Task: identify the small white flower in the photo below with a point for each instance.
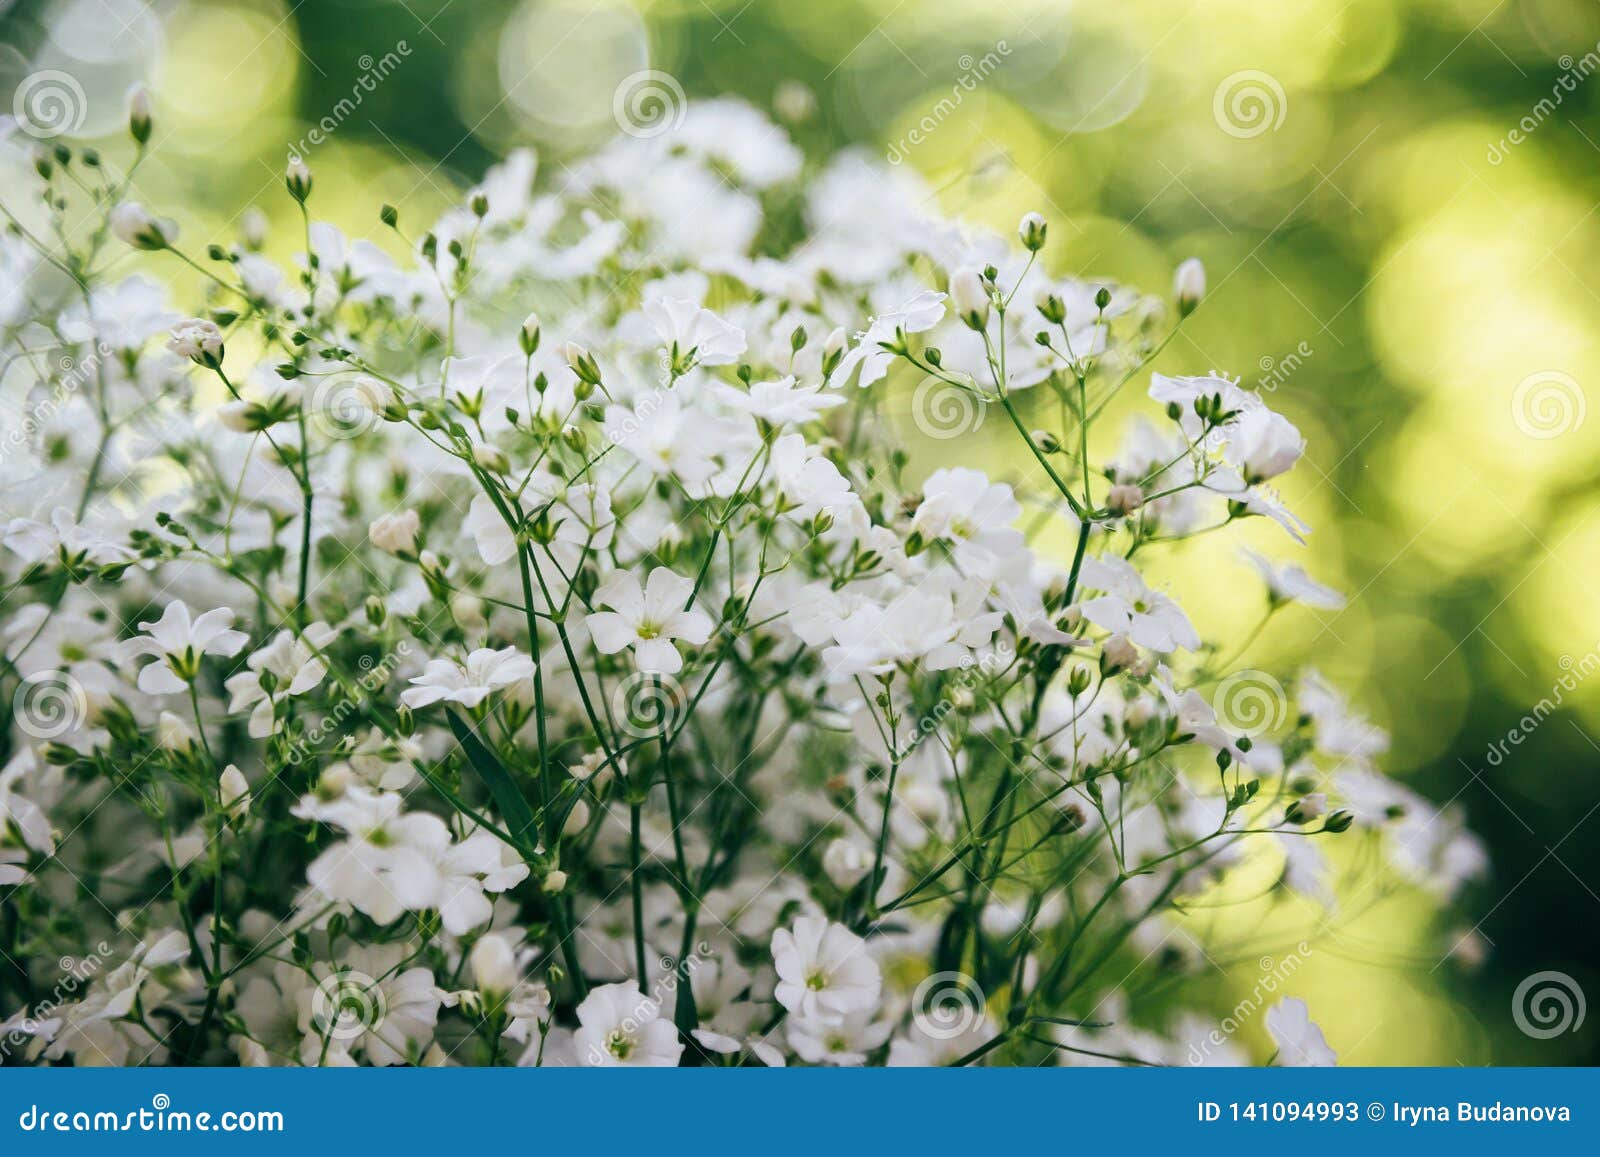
(782, 402)
(648, 619)
(180, 642)
(396, 532)
(694, 333)
(1128, 607)
(197, 339)
(1300, 1042)
(484, 672)
(620, 1026)
(1291, 584)
(825, 972)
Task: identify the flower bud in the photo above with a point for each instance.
(1306, 809)
(494, 964)
(582, 363)
(139, 113)
(555, 881)
(396, 533)
(297, 179)
(1189, 285)
(133, 226)
(233, 792)
(528, 338)
(970, 298)
(1124, 499)
(1032, 230)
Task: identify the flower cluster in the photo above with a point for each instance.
(530, 640)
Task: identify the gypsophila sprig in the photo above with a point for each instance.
(523, 638)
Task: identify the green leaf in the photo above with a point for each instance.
(508, 797)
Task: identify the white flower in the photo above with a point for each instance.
(917, 315)
(484, 672)
(847, 860)
(693, 333)
(1291, 584)
(389, 863)
(179, 643)
(293, 668)
(842, 1042)
(1300, 1041)
(825, 972)
(1261, 444)
(809, 482)
(619, 1025)
(65, 538)
(370, 1004)
(782, 402)
(1128, 607)
(197, 339)
(961, 506)
(396, 532)
(648, 619)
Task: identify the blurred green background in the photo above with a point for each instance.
(1395, 200)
